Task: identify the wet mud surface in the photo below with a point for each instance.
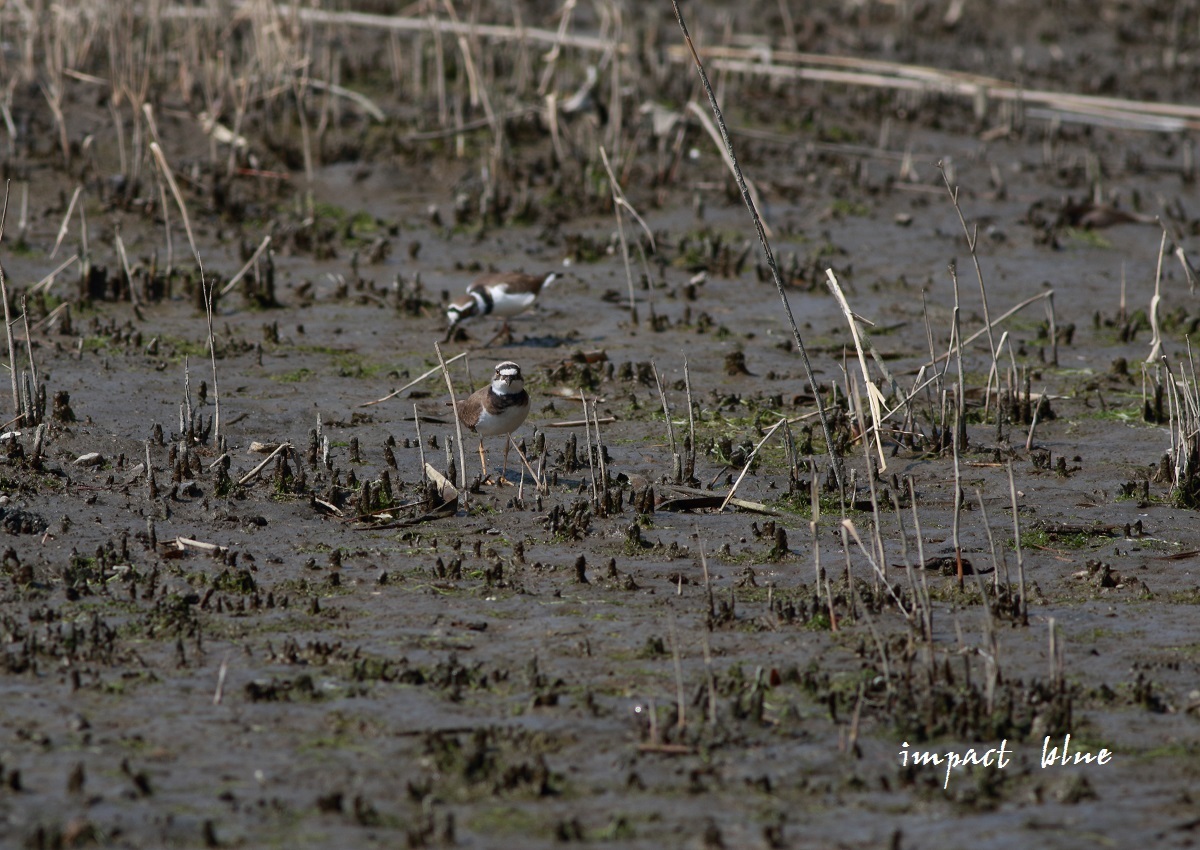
(320, 654)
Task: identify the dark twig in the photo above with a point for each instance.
(12, 352)
(766, 245)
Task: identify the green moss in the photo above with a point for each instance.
(180, 348)
(295, 377)
(800, 504)
(235, 581)
(22, 248)
(819, 622)
(1183, 597)
(510, 820)
(97, 343)
(1132, 415)
(838, 135)
(619, 828)
(1188, 750)
(843, 208)
(355, 365)
(1040, 538)
(122, 685)
(1087, 238)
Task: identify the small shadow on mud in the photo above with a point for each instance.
(541, 342)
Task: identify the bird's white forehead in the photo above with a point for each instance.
(508, 370)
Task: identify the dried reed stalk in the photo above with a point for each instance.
(462, 458)
(414, 381)
(206, 286)
(1156, 342)
(620, 201)
(927, 604)
(933, 361)
(689, 460)
(45, 283)
(587, 435)
(419, 25)
(551, 58)
(1012, 490)
(750, 460)
(1131, 114)
(237, 278)
(662, 397)
(66, 222)
(874, 396)
(972, 244)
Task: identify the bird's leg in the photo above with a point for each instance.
(482, 460)
(504, 469)
(504, 333)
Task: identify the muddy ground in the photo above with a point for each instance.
(328, 660)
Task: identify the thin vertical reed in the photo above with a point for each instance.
(12, 349)
(1012, 489)
(462, 458)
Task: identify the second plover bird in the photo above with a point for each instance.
(506, 294)
(499, 408)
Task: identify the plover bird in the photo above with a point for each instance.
(500, 408)
(506, 295)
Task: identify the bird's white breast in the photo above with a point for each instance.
(504, 422)
(508, 303)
